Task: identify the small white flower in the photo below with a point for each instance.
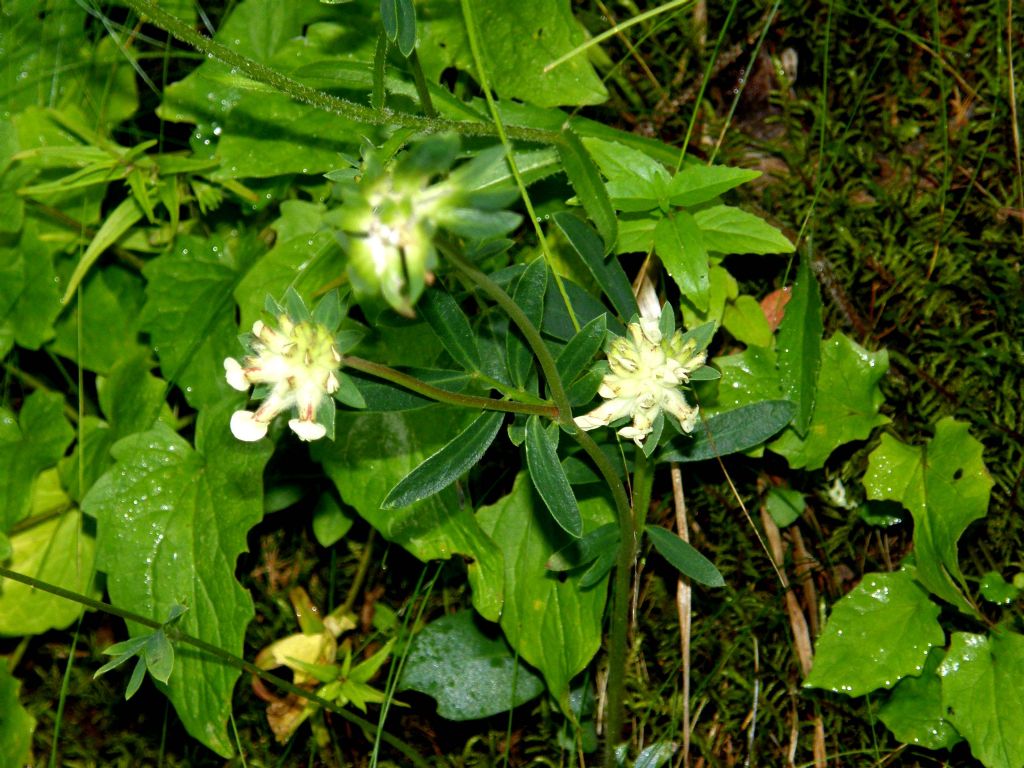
(646, 373)
(299, 363)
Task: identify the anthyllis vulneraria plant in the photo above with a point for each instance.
(646, 368)
(392, 210)
(294, 366)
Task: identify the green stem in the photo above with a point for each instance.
(218, 653)
(443, 395)
(317, 98)
(630, 526)
(475, 49)
(530, 332)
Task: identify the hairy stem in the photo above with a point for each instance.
(443, 395)
(530, 332)
(315, 97)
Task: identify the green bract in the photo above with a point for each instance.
(392, 210)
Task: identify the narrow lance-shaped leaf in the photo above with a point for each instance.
(529, 295)
(116, 224)
(684, 558)
(451, 325)
(447, 465)
(609, 275)
(549, 478)
(590, 190)
(581, 348)
(737, 430)
(799, 346)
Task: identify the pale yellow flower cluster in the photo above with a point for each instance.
(298, 365)
(646, 373)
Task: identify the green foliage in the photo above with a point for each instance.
(470, 672)
(135, 246)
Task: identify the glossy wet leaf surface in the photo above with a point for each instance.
(946, 487)
(876, 635)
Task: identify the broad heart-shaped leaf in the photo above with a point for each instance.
(373, 451)
(982, 694)
(609, 274)
(190, 314)
(699, 183)
(171, 522)
(447, 465)
(590, 190)
(730, 230)
(16, 724)
(877, 634)
(554, 624)
(452, 327)
(799, 345)
(529, 295)
(684, 558)
(549, 478)
(471, 672)
(680, 245)
(846, 403)
(737, 430)
(914, 710)
(30, 443)
(946, 487)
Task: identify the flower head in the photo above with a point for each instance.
(646, 371)
(295, 367)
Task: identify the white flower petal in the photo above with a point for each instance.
(235, 374)
(246, 427)
(307, 430)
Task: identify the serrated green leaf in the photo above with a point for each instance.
(739, 429)
(877, 634)
(799, 346)
(30, 443)
(684, 558)
(529, 296)
(589, 188)
(725, 229)
(171, 523)
(555, 625)
(914, 712)
(680, 245)
(982, 696)
(946, 487)
(549, 478)
(109, 310)
(190, 314)
(846, 403)
(452, 327)
(608, 274)
(620, 163)
(447, 465)
(699, 183)
(16, 724)
(471, 672)
(372, 452)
